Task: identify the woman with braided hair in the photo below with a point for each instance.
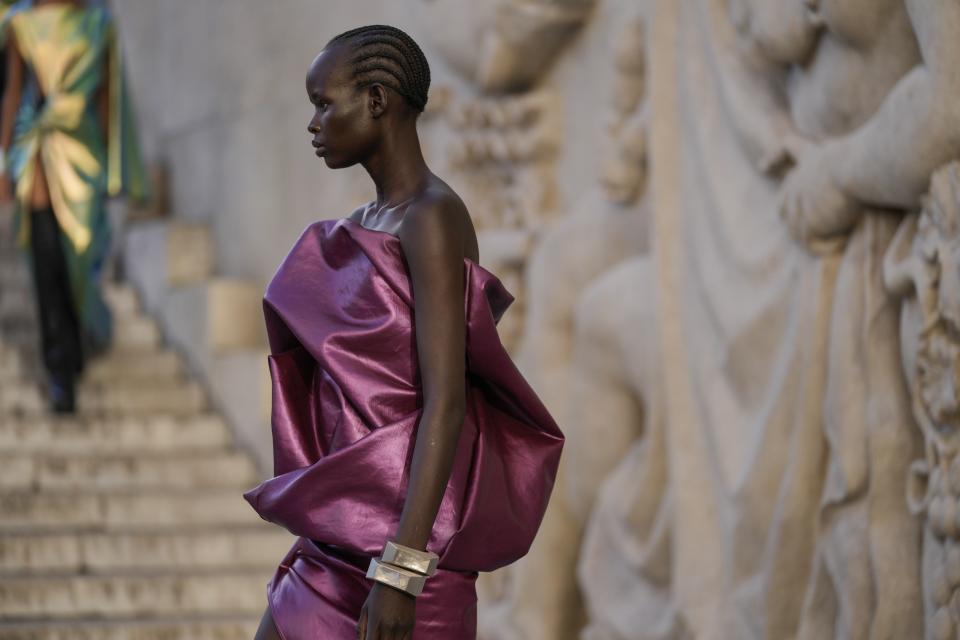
(409, 452)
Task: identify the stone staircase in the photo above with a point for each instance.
(126, 521)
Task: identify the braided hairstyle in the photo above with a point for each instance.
(388, 56)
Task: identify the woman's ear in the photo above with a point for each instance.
(377, 99)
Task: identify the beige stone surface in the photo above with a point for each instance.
(133, 366)
(103, 435)
(227, 629)
(131, 470)
(235, 316)
(157, 595)
(105, 553)
(189, 253)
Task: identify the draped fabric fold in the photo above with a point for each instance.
(346, 403)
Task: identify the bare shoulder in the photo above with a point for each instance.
(437, 223)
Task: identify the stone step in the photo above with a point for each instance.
(122, 300)
(16, 298)
(259, 546)
(135, 334)
(139, 336)
(179, 398)
(236, 592)
(29, 341)
(10, 367)
(114, 368)
(120, 366)
(176, 398)
(20, 399)
(239, 626)
(212, 469)
(87, 435)
(28, 511)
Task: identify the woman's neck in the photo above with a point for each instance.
(398, 169)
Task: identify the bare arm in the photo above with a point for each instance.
(432, 242)
(888, 161)
(433, 247)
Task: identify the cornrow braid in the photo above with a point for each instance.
(387, 55)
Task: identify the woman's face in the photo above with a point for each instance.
(343, 127)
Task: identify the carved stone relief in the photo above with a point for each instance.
(503, 157)
(624, 171)
(922, 265)
(502, 46)
(778, 144)
(584, 300)
(506, 148)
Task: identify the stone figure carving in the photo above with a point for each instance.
(503, 154)
(507, 146)
(787, 139)
(579, 325)
(921, 264)
(502, 46)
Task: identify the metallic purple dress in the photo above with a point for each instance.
(346, 402)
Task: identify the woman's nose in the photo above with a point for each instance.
(313, 128)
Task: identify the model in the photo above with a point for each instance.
(409, 452)
(67, 143)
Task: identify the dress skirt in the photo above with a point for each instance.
(318, 592)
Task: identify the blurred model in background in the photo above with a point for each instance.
(68, 143)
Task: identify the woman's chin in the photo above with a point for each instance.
(337, 163)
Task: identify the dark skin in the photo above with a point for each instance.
(16, 70)
(375, 127)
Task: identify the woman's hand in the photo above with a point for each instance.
(388, 614)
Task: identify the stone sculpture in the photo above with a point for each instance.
(788, 139)
(502, 46)
(579, 295)
(921, 265)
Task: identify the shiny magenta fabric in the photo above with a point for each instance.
(346, 402)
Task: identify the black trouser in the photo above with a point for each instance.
(59, 328)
